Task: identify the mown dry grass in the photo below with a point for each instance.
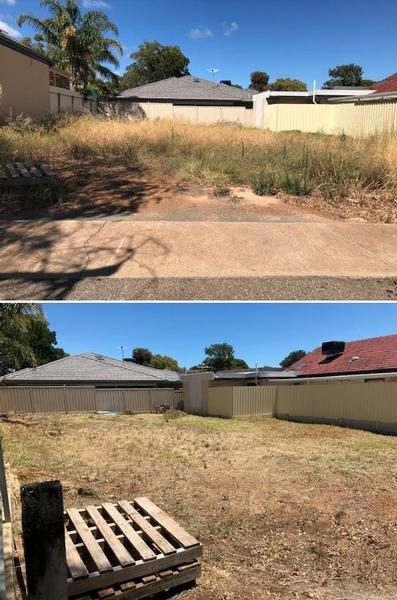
(284, 510)
(341, 175)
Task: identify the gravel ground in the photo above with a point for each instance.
(243, 289)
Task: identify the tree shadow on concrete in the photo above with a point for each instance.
(87, 190)
(21, 240)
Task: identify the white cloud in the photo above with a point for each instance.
(10, 30)
(230, 28)
(200, 33)
(8, 2)
(95, 4)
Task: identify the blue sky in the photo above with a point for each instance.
(260, 333)
(290, 38)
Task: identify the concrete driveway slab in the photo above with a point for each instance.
(127, 249)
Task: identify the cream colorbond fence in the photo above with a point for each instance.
(198, 114)
(241, 401)
(368, 405)
(66, 101)
(85, 399)
(357, 120)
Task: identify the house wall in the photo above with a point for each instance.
(84, 399)
(357, 120)
(25, 85)
(371, 405)
(192, 114)
(195, 393)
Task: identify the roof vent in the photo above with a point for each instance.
(226, 82)
(196, 80)
(354, 358)
(333, 348)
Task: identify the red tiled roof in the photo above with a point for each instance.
(387, 85)
(374, 354)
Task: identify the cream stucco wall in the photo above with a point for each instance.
(25, 85)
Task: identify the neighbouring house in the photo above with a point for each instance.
(189, 91)
(24, 80)
(310, 97)
(91, 369)
(187, 98)
(389, 84)
(249, 377)
(31, 87)
(367, 359)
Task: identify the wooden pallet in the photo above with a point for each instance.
(17, 174)
(114, 544)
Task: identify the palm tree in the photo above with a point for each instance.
(77, 42)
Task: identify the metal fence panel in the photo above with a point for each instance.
(352, 119)
(220, 402)
(253, 401)
(371, 405)
(53, 399)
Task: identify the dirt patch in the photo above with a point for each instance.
(368, 208)
(92, 191)
(284, 510)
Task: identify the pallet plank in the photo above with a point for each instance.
(144, 551)
(22, 169)
(74, 561)
(11, 170)
(147, 528)
(120, 552)
(140, 569)
(93, 548)
(142, 590)
(46, 170)
(167, 522)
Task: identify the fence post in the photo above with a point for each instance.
(3, 487)
(44, 540)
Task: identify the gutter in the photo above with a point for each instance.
(14, 45)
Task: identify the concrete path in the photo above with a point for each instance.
(159, 250)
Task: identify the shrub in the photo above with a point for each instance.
(264, 183)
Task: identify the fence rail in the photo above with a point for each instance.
(86, 399)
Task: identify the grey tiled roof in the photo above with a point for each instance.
(188, 88)
(91, 367)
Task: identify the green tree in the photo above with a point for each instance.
(164, 362)
(288, 85)
(347, 76)
(259, 81)
(142, 356)
(76, 42)
(25, 338)
(292, 358)
(221, 357)
(154, 62)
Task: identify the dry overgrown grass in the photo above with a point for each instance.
(296, 163)
(284, 510)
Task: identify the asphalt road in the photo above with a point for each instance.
(190, 289)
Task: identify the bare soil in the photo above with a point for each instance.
(94, 191)
(284, 510)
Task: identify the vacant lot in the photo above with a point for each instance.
(284, 510)
(109, 167)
